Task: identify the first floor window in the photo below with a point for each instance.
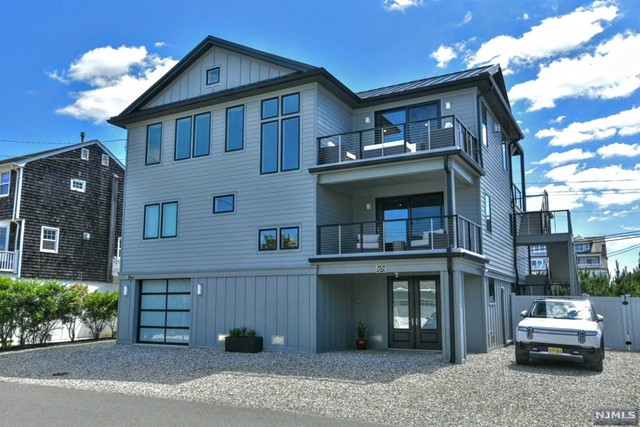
(4, 238)
(268, 239)
(49, 239)
(289, 238)
(487, 210)
(161, 220)
(492, 290)
(222, 204)
(5, 183)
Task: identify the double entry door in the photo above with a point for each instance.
(414, 318)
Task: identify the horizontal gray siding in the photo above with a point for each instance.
(333, 115)
(235, 70)
(206, 241)
(274, 305)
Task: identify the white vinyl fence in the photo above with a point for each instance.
(621, 318)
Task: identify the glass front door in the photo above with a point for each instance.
(413, 313)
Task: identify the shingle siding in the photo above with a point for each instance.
(48, 200)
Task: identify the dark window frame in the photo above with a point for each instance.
(193, 136)
(226, 130)
(160, 228)
(488, 213)
(211, 83)
(260, 231)
(484, 123)
(281, 239)
(262, 116)
(175, 143)
(166, 311)
(279, 119)
(277, 168)
(146, 154)
(281, 144)
(281, 111)
(491, 294)
(233, 203)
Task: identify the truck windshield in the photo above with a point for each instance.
(578, 310)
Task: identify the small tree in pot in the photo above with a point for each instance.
(361, 342)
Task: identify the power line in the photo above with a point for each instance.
(16, 141)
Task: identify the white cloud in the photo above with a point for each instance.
(57, 75)
(604, 186)
(525, 16)
(558, 119)
(444, 55)
(560, 197)
(610, 72)
(467, 18)
(400, 5)
(624, 123)
(159, 44)
(553, 36)
(555, 159)
(117, 76)
(607, 215)
(619, 150)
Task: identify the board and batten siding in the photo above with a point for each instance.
(275, 305)
(499, 315)
(208, 241)
(497, 245)
(235, 70)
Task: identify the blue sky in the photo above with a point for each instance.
(572, 67)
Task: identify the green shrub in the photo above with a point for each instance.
(99, 310)
(70, 307)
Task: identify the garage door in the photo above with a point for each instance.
(165, 311)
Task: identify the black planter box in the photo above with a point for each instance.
(243, 344)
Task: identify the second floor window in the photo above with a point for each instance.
(193, 136)
(487, 211)
(280, 134)
(5, 183)
(49, 238)
(161, 220)
(154, 144)
(583, 247)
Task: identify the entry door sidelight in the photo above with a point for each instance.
(414, 320)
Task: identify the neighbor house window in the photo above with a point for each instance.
(280, 136)
(213, 76)
(289, 238)
(84, 154)
(161, 220)
(154, 144)
(235, 128)
(485, 135)
(505, 157)
(583, 247)
(194, 143)
(78, 185)
(5, 183)
(268, 239)
(222, 204)
(49, 238)
(4, 237)
(487, 211)
(105, 160)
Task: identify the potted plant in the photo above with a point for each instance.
(361, 342)
(242, 340)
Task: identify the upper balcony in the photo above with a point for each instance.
(540, 227)
(431, 137)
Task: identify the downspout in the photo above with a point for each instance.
(452, 332)
(16, 215)
(112, 227)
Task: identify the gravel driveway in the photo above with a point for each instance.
(390, 387)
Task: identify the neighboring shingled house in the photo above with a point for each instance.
(61, 215)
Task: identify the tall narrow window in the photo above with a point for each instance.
(49, 238)
(290, 144)
(505, 157)
(235, 128)
(280, 138)
(269, 148)
(183, 138)
(105, 160)
(201, 136)
(169, 219)
(487, 210)
(151, 221)
(5, 183)
(485, 135)
(154, 144)
(84, 154)
(492, 290)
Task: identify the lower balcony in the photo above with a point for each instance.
(431, 234)
(8, 261)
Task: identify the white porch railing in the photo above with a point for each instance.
(7, 261)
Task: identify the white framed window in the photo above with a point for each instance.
(539, 249)
(78, 185)
(49, 239)
(5, 183)
(119, 248)
(84, 154)
(4, 236)
(105, 160)
(583, 247)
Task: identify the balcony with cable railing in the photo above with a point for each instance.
(433, 136)
(379, 238)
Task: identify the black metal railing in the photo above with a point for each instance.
(543, 222)
(428, 233)
(403, 138)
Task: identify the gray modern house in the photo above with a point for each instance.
(262, 191)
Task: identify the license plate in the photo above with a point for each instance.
(555, 350)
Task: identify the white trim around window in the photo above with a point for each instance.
(78, 185)
(5, 184)
(49, 239)
(105, 160)
(84, 154)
